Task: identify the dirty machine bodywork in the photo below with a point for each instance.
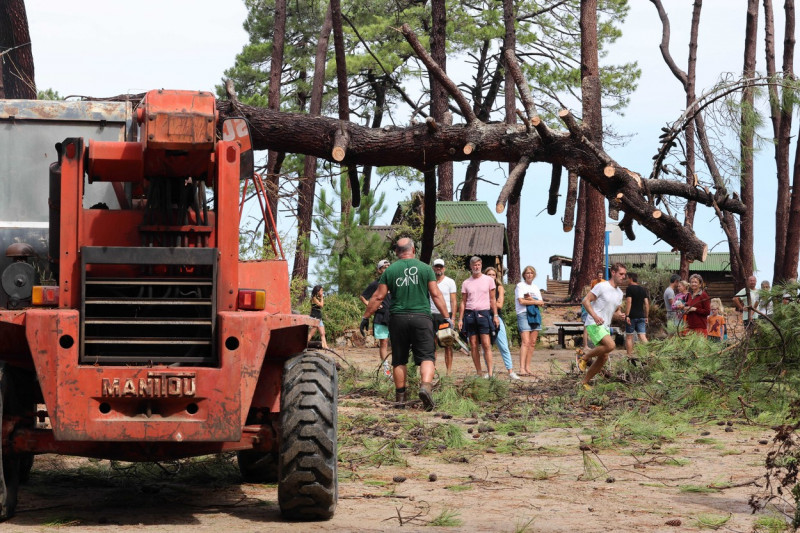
(129, 327)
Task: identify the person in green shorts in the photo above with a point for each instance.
(602, 306)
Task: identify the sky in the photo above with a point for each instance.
(104, 48)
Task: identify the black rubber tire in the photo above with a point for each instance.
(308, 485)
(258, 467)
(10, 472)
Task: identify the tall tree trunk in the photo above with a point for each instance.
(781, 108)
(429, 216)
(16, 66)
(513, 213)
(727, 221)
(439, 95)
(746, 140)
(469, 191)
(793, 235)
(689, 86)
(575, 289)
(438, 109)
(595, 210)
(379, 86)
(351, 191)
(275, 159)
(308, 181)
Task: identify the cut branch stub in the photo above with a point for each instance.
(570, 122)
(572, 197)
(468, 148)
(433, 127)
(626, 225)
(541, 128)
(609, 171)
(340, 141)
(513, 177)
(555, 185)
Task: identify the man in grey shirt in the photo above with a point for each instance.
(669, 295)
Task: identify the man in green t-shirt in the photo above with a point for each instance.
(411, 283)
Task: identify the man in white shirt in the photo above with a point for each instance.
(602, 305)
(741, 303)
(448, 288)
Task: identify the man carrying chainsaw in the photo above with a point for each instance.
(411, 283)
(448, 288)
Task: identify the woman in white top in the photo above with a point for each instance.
(525, 294)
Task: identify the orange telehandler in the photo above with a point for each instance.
(129, 327)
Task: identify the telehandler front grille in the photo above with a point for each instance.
(160, 308)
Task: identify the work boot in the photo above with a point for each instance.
(426, 395)
(400, 399)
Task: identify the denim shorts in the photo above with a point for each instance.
(478, 322)
(523, 325)
(637, 325)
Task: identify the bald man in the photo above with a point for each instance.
(412, 285)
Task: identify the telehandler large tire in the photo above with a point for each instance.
(307, 485)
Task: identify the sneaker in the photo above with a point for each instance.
(582, 363)
(587, 387)
(426, 396)
(387, 370)
(513, 375)
(486, 376)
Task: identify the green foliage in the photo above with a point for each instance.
(712, 521)
(347, 251)
(341, 311)
(770, 524)
(447, 518)
(48, 94)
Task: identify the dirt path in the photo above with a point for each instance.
(536, 479)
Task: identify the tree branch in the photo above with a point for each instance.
(438, 73)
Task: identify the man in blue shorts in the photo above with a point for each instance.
(380, 321)
(602, 305)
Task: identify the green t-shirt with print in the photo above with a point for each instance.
(407, 280)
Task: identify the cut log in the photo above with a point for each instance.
(513, 177)
(555, 185)
(572, 197)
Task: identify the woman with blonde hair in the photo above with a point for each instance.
(502, 337)
(525, 294)
(697, 306)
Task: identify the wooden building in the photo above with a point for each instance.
(715, 270)
(463, 229)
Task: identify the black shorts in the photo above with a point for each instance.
(438, 320)
(412, 332)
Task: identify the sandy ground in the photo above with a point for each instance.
(545, 486)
